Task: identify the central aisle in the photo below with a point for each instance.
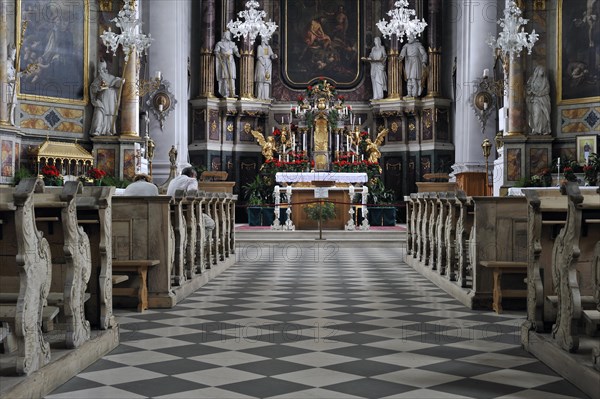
(318, 322)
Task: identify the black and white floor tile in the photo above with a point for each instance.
(318, 322)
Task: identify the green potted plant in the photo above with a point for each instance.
(254, 192)
(379, 196)
(20, 174)
(321, 212)
(592, 170)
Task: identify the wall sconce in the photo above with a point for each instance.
(161, 101)
(484, 99)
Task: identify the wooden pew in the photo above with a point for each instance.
(200, 259)
(547, 216)
(409, 221)
(464, 224)
(572, 272)
(448, 263)
(140, 268)
(498, 234)
(189, 210)
(180, 229)
(94, 209)
(431, 247)
(24, 251)
(142, 229)
(56, 217)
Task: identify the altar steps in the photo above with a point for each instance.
(376, 237)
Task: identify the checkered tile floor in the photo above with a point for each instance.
(318, 322)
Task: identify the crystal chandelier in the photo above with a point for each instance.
(253, 24)
(130, 38)
(403, 22)
(513, 37)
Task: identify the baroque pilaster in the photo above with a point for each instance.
(207, 64)
(435, 48)
(4, 93)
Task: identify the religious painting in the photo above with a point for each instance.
(513, 163)
(427, 124)
(53, 55)
(322, 39)
(7, 158)
(412, 127)
(17, 155)
(586, 145)
(215, 163)
(198, 125)
(578, 51)
(538, 160)
(105, 160)
(395, 129)
(213, 120)
(129, 164)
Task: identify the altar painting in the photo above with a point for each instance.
(578, 51)
(321, 39)
(53, 50)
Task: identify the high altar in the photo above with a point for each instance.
(301, 188)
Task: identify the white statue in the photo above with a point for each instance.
(11, 83)
(538, 102)
(263, 70)
(415, 62)
(377, 59)
(104, 94)
(225, 65)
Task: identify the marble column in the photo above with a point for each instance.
(477, 20)
(434, 37)
(130, 101)
(207, 62)
(169, 53)
(246, 69)
(393, 70)
(516, 97)
(4, 92)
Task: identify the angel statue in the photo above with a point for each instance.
(268, 145)
(373, 146)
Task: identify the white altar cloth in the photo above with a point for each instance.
(518, 191)
(297, 177)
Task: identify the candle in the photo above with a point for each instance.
(158, 75)
(304, 142)
(558, 161)
(359, 121)
(347, 143)
(337, 142)
(486, 73)
(282, 120)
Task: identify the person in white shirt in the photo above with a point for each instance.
(186, 181)
(141, 187)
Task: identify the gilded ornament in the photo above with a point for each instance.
(394, 127)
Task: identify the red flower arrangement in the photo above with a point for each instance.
(96, 174)
(50, 171)
(276, 132)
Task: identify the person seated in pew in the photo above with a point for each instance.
(142, 186)
(186, 181)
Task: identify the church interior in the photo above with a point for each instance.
(299, 199)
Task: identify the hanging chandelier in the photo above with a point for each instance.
(403, 23)
(513, 38)
(253, 24)
(130, 38)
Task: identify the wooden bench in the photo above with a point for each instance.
(498, 269)
(140, 267)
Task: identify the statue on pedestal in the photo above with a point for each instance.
(538, 102)
(264, 69)
(377, 58)
(104, 95)
(225, 65)
(415, 65)
(373, 146)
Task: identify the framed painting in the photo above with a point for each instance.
(52, 50)
(322, 39)
(586, 145)
(578, 51)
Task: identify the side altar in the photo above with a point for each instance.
(302, 188)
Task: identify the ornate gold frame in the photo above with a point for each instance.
(86, 83)
(359, 5)
(559, 65)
